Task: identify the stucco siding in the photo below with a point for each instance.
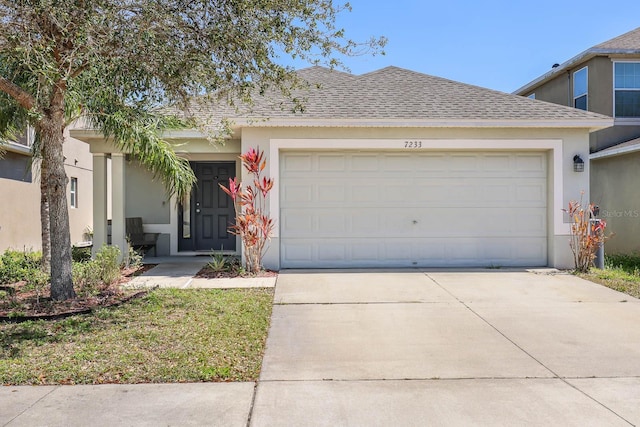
(79, 164)
(614, 187)
(145, 196)
(600, 85)
(20, 215)
(556, 91)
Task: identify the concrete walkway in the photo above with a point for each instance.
(179, 272)
(402, 347)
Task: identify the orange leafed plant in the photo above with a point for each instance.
(586, 235)
(253, 224)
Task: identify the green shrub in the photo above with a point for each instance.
(103, 270)
(108, 260)
(21, 265)
(133, 258)
(81, 254)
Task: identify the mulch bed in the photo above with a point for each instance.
(23, 305)
(208, 273)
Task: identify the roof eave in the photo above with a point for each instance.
(14, 147)
(613, 152)
(581, 57)
(592, 124)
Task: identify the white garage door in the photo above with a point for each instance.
(429, 209)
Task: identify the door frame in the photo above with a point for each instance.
(189, 244)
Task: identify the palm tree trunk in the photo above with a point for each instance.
(51, 128)
(44, 219)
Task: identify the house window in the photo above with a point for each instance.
(627, 89)
(532, 96)
(580, 84)
(74, 192)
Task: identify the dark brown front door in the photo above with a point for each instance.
(213, 209)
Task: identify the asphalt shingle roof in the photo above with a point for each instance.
(626, 41)
(394, 93)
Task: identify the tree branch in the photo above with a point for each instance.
(24, 98)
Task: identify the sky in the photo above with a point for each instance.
(497, 44)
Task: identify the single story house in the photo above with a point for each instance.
(392, 168)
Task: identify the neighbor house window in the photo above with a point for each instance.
(580, 84)
(74, 192)
(627, 89)
(532, 96)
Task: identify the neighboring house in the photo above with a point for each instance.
(20, 194)
(605, 79)
(392, 168)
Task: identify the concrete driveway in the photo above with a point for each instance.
(427, 347)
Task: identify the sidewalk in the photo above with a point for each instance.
(197, 404)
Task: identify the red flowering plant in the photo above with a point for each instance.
(253, 224)
(586, 234)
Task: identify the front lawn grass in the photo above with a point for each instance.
(621, 272)
(169, 335)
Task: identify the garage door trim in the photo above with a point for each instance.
(555, 184)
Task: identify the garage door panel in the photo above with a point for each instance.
(424, 252)
(297, 193)
(301, 163)
(397, 164)
(331, 193)
(462, 194)
(364, 222)
(331, 163)
(365, 163)
(531, 164)
(352, 209)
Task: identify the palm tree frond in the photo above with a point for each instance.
(139, 133)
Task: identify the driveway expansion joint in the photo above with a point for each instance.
(253, 402)
(563, 379)
(32, 405)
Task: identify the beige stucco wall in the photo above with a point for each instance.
(20, 215)
(600, 85)
(79, 164)
(559, 90)
(556, 91)
(573, 142)
(145, 195)
(614, 187)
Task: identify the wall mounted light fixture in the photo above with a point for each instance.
(578, 164)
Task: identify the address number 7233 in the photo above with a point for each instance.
(413, 144)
